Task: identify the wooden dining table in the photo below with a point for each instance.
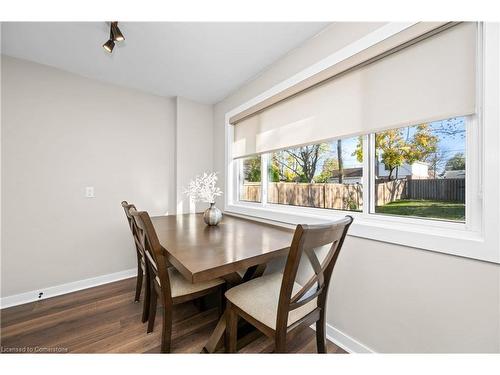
(236, 250)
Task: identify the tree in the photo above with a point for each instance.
(329, 167)
(251, 169)
(423, 144)
(303, 161)
(340, 161)
(283, 168)
(456, 163)
(358, 152)
(437, 162)
(393, 149)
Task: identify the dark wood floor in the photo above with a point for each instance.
(105, 319)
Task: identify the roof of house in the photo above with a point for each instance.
(349, 172)
(454, 174)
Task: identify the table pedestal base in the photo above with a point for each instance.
(216, 338)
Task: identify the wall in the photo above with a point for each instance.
(387, 297)
(194, 131)
(60, 133)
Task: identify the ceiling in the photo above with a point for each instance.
(200, 61)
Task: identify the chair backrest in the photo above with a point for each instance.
(127, 207)
(154, 252)
(306, 240)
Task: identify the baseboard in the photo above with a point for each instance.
(34, 295)
(345, 341)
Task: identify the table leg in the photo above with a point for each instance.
(233, 279)
(253, 272)
(216, 336)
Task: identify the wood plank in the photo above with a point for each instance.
(105, 319)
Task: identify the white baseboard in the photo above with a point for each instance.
(345, 341)
(34, 295)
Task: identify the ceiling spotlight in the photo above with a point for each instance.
(109, 45)
(115, 35)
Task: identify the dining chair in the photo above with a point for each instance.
(277, 304)
(142, 271)
(166, 283)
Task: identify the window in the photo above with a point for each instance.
(378, 97)
(420, 170)
(325, 175)
(250, 179)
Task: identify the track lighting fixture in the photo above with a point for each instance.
(115, 35)
(109, 45)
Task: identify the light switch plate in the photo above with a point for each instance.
(89, 192)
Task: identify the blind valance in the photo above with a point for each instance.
(431, 79)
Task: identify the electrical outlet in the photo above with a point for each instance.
(89, 192)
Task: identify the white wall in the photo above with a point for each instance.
(194, 150)
(391, 298)
(60, 133)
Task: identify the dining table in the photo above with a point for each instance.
(237, 250)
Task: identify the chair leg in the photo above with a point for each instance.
(231, 337)
(221, 302)
(147, 299)
(138, 285)
(166, 332)
(280, 342)
(320, 333)
(152, 309)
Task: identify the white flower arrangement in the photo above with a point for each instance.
(203, 188)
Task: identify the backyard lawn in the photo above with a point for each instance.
(425, 208)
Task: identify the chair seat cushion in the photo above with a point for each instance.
(259, 298)
(179, 286)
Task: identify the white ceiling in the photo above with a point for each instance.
(199, 61)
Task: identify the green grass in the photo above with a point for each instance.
(425, 208)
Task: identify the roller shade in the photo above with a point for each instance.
(430, 80)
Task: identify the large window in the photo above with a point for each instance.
(424, 113)
(420, 170)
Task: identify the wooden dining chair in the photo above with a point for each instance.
(166, 283)
(142, 271)
(277, 304)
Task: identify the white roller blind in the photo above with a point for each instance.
(430, 80)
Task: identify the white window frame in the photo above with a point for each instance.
(478, 237)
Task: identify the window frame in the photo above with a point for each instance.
(467, 239)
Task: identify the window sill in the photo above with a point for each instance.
(433, 235)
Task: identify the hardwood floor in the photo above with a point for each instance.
(105, 319)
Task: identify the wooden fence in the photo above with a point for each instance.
(336, 196)
(449, 189)
(350, 196)
(250, 192)
(390, 191)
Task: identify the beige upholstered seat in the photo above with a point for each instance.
(179, 286)
(259, 298)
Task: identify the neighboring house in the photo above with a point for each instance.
(351, 176)
(454, 174)
(418, 170)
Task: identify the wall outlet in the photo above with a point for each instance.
(89, 192)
